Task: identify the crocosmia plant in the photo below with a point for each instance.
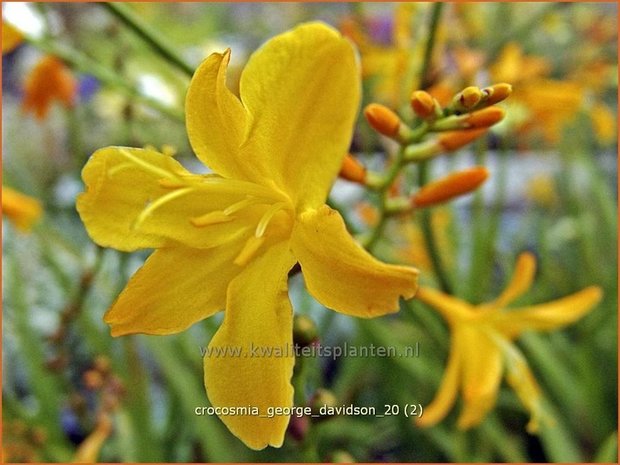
(309, 232)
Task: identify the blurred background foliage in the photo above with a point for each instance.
(71, 392)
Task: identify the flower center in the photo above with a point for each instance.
(254, 243)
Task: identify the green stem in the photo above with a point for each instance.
(151, 36)
(521, 31)
(383, 188)
(429, 237)
(430, 44)
(81, 62)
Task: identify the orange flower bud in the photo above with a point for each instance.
(496, 93)
(423, 104)
(352, 170)
(454, 140)
(453, 185)
(485, 118)
(468, 97)
(382, 119)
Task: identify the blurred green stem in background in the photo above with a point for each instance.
(430, 45)
(151, 36)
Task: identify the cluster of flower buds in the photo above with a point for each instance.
(434, 131)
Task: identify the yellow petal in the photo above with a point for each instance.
(552, 315)
(174, 289)
(259, 316)
(89, 449)
(11, 37)
(216, 119)
(445, 397)
(139, 198)
(302, 89)
(482, 373)
(521, 379)
(340, 274)
(521, 280)
(450, 308)
(24, 211)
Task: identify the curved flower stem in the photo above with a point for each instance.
(149, 35)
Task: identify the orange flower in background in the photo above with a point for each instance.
(514, 66)
(49, 80)
(22, 210)
(548, 104)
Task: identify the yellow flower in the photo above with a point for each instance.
(22, 210)
(481, 346)
(228, 240)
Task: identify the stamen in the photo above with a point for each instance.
(249, 250)
(216, 217)
(168, 183)
(235, 207)
(224, 216)
(159, 203)
(266, 218)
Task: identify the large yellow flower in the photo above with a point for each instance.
(481, 346)
(228, 240)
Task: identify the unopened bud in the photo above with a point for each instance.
(423, 104)
(304, 331)
(352, 170)
(451, 186)
(496, 93)
(382, 119)
(484, 118)
(454, 140)
(468, 98)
